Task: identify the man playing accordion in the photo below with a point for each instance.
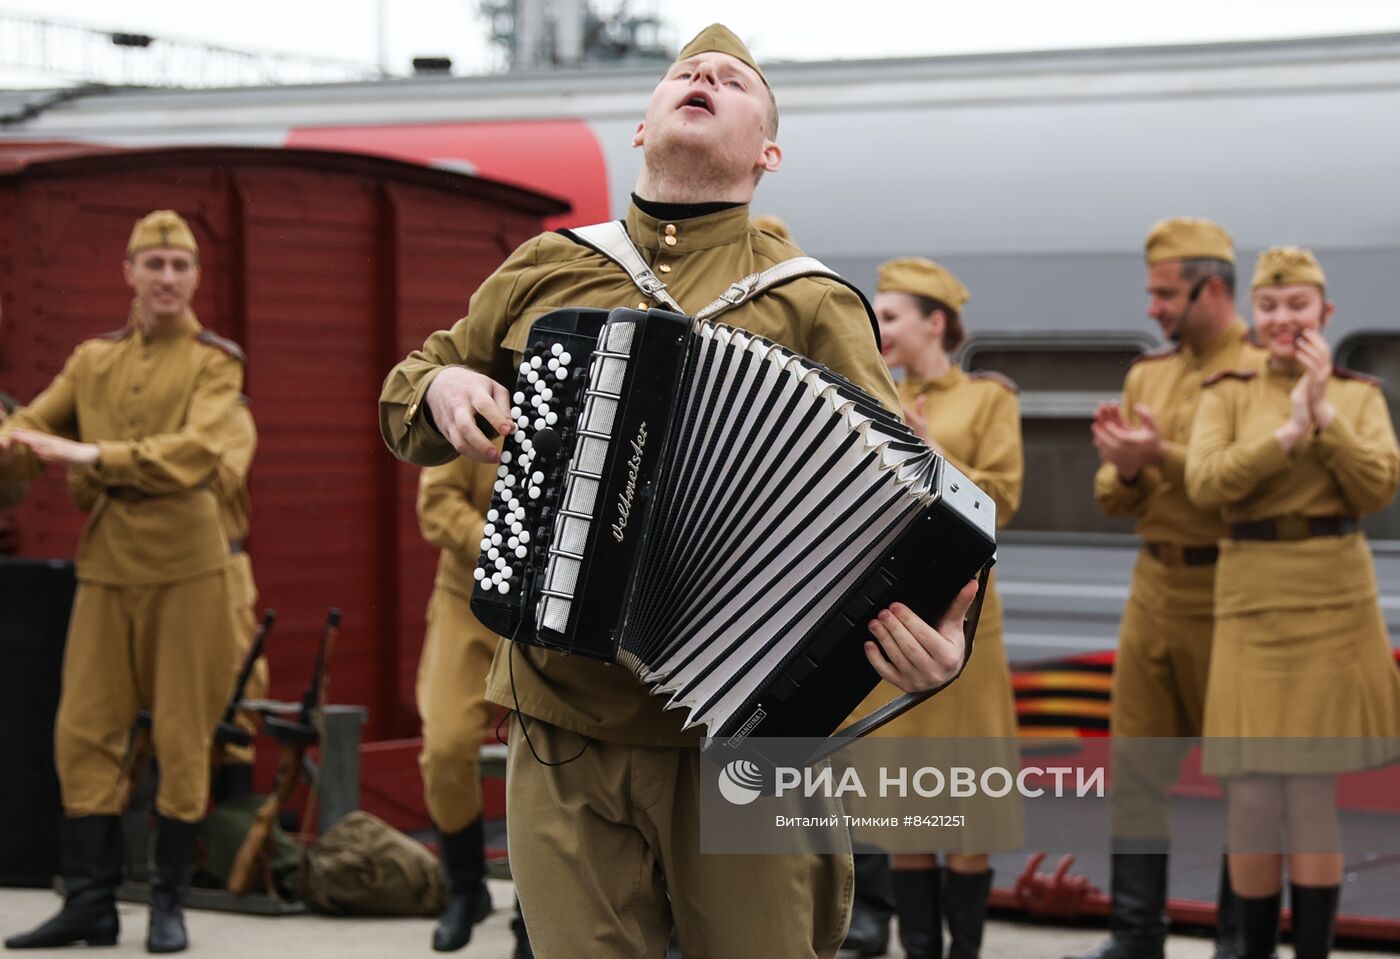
(602, 796)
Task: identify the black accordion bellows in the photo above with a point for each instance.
(720, 516)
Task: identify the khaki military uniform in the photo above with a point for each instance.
(1163, 659)
(457, 650)
(152, 559)
(1301, 647)
(976, 419)
(230, 485)
(1164, 641)
(554, 845)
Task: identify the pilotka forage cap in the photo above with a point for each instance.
(1188, 238)
(1287, 266)
(163, 228)
(923, 277)
(717, 38)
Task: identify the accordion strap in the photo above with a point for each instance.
(612, 241)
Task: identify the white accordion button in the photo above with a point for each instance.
(517, 528)
(537, 477)
(525, 367)
(495, 539)
(515, 412)
(499, 486)
(513, 542)
(551, 418)
(510, 479)
(534, 492)
(501, 471)
(561, 374)
(494, 554)
(504, 587)
(492, 515)
(505, 456)
(521, 552)
(546, 394)
(564, 359)
(557, 348)
(479, 573)
(536, 362)
(518, 398)
(485, 543)
(524, 536)
(488, 529)
(531, 376)
(554, 364)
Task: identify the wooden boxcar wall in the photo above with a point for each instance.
(327, 269)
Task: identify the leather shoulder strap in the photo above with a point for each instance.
(611, 240)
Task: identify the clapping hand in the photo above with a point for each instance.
(1129, 448)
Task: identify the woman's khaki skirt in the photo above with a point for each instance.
(1302, 690)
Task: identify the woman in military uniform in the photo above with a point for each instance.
(974, 420)
(1294, 456)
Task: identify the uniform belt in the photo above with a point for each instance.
(1174, 554)
(1293, 528)
(235, 546)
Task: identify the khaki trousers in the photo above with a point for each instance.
(451, 691)
(243, 597)
(169, 649)
(1159, 691)
(605, 854)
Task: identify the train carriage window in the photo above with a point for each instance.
(1377, 354)
(1063, 378)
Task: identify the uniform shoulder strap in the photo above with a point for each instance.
(210, 338)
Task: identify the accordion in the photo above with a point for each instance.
(719, 515)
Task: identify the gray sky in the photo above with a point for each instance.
(347, 29)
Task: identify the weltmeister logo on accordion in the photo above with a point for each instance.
(717, 514)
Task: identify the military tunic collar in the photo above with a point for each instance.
(187, 325)
(1226, 338)
(686, 236)
(947, 381)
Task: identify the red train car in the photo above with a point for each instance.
(327, 267)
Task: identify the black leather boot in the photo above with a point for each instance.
(170, 880)
(965, 910)
(1137, 916)
(872, 907)
(522, 936)
(1227, 933)
(468, 899)
(90, 851)
(1314, 919)
(1257, 917)
(918, 904)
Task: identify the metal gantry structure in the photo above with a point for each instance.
(546, 34)
(77, 53)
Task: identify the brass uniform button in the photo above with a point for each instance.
(665, 268)
(670, 229)
(670, 241)
(641, 306)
